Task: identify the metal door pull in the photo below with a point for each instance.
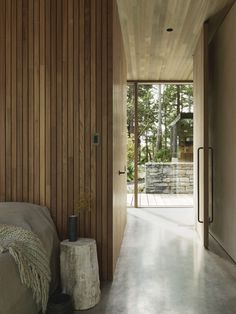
(198, 184)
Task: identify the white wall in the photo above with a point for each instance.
(223, 131)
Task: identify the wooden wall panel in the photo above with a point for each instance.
(58, 130)
(25, 103)
(53, 126)
(104, 134)
(56, 91)
(13, 104)
(99, 128)
(8, 98)
(48, 105)
(76, 94)
(3, 99)
(119, 139)
(31, 100)
(36, 140)
(81, 112)
(19, 104)
(93, 111)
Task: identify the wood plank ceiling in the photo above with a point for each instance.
(152, 53)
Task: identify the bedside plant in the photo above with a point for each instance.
(83, 205)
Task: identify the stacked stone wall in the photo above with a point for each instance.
(169, 178)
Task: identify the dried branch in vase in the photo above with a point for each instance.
(84, 204)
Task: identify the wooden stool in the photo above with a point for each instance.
(79, 272)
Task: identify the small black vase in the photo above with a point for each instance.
(72, 228)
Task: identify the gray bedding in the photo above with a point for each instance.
(15, 298)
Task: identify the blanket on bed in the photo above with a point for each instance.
(31, 259)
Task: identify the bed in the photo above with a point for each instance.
(15, 297)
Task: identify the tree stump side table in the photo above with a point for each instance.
(79, 272)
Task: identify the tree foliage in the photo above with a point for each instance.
(158, 106)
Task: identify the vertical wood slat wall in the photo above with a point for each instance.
(55, 92)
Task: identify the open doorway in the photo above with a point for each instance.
(160, 145)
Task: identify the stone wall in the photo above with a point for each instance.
(169, 177)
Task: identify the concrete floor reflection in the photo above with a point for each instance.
(163, 268)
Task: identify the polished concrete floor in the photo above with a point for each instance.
(164, 269)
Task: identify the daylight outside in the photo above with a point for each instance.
(165, 144)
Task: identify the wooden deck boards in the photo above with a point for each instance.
(161, 200)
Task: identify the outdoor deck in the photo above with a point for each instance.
(160, 200)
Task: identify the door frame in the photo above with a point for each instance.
(201, 144)
(136, 126)
(206, 137)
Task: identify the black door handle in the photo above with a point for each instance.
(122, 172)
(198, 185)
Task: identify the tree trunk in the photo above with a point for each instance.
(174, 142)
(189, 103)
(165, 135)
(146, 148)
(174, 128)
(178, 99)
(159, 128)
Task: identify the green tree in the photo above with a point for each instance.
(158, 106)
